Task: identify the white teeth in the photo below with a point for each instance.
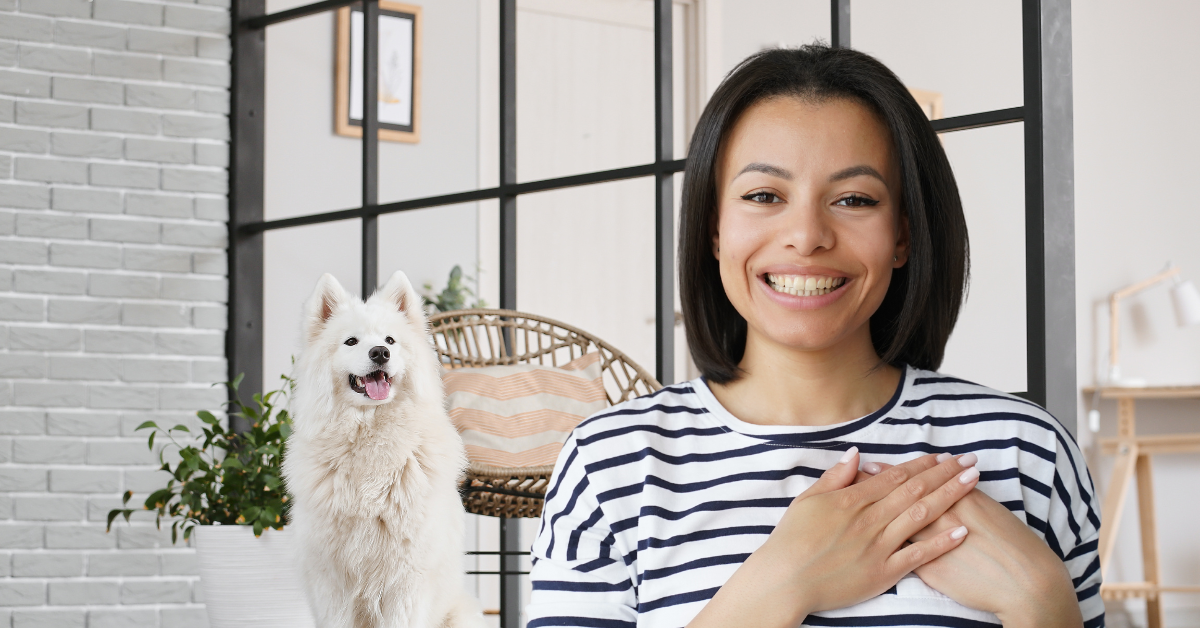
(804, 286)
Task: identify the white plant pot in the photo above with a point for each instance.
(250, 581)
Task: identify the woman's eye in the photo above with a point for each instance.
(761, 197)
(389, 340)
(350, 342)
(855, 200)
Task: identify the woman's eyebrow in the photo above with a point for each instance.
(855, 171)
(767, 169)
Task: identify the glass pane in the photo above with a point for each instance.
(988, 344)
(969, 52)
(585, 256)
(293, 260)
(427, 243)
(308, 169)
(445, 158)
(585, 86)
(752, 25)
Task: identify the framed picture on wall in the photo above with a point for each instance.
(399, 72)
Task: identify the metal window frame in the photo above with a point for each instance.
(1049, 197)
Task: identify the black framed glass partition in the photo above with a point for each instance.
(1046, 115)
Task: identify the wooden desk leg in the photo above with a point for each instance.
(1114, 500)
(1123, 468)
(1150, 566)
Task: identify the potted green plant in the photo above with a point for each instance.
(225, 489)
(454, 295)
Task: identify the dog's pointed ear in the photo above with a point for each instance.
(327, 298)
(399, 293)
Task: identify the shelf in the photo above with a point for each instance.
(1127, 590)
(1153, 445)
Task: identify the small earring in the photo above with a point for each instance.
(895, 258)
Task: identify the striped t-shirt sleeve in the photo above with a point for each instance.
(579, 576)
(1073, 528)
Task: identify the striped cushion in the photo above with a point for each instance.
(520, 415)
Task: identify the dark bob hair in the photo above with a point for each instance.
(918, 313)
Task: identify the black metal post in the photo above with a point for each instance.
(510, 578)
(370, 147)
(244, 338)
(664, 198)
(510, 529)
(839, 27)
(508, 154)
(1050, 207)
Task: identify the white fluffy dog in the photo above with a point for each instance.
(373, 464)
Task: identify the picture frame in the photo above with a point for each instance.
(399, 72)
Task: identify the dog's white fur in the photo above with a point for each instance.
(377, 512)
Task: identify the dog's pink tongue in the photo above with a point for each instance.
(377, 386)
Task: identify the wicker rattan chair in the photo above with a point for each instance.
(479, 337)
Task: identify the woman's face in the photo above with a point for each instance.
(808, 219)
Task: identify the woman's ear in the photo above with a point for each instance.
(903, 239)
(716, 245)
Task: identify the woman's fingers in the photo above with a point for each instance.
(836, 477)
(925, 497)
(909, 558)
(883, 484)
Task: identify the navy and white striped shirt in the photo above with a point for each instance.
(654, 503)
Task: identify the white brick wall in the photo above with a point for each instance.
(113, 155)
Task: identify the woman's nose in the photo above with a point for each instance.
(807, 229)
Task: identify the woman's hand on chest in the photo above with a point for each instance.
(1003, 567)
(838, 545)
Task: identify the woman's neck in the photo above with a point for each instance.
(781, 385)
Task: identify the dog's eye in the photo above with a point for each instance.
(389, 340)
(350, 342)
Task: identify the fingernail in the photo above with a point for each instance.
(968, 460)
(959, 532)
(848, 455)
(942, 458)
(969, 475)
(872, 468)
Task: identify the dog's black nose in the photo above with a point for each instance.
(379, 354)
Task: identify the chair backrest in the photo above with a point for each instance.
(489, 337)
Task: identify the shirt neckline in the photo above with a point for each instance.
(797, 434)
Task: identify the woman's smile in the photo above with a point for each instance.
(802, 288)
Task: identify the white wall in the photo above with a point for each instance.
(1136, 133)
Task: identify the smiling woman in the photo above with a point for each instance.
(820, 473)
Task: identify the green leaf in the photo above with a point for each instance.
(112, 514)
(150, 443)
(146, 424)
(237, 381)
(181, 428)
(125, 497)
(208, 417)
